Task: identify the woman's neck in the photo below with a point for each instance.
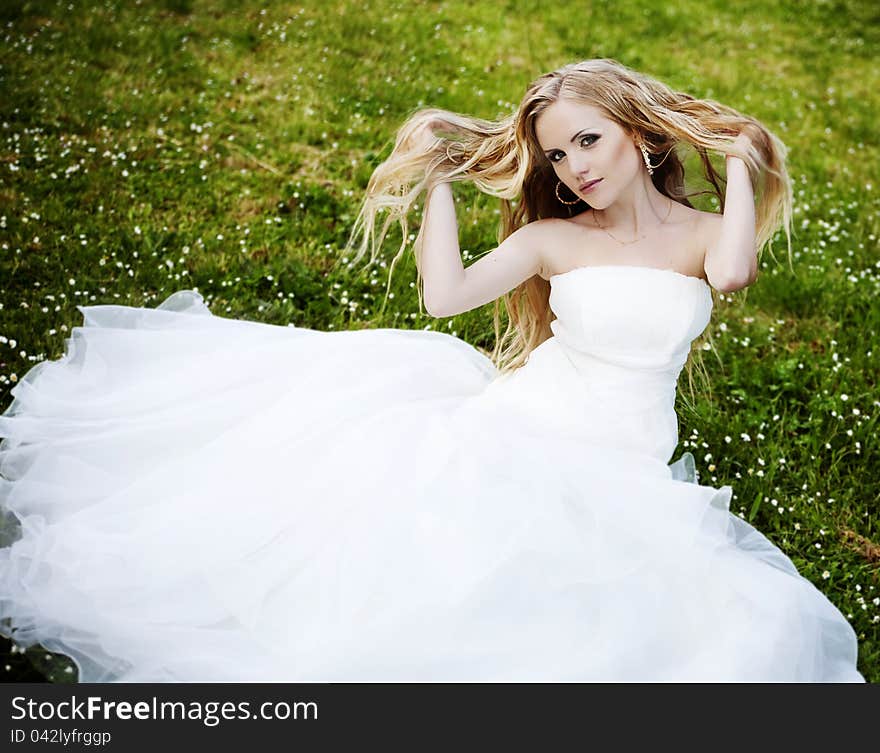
(636, 210)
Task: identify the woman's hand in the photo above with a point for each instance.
(742, 142)
(745, 141)
(424, 138)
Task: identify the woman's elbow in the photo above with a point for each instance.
(437, 310)
(730, 283)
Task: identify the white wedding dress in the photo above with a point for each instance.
(212, 499)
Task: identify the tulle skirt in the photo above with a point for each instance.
(196, 498)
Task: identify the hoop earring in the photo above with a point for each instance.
(559, 183)
(645, 156)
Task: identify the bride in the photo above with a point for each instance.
(211, 499)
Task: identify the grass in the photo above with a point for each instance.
(223, 146)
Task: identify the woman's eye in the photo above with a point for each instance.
(556, 156)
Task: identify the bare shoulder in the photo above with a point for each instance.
(708, 227)
(538, 230)
(547, 227)
(543, 236)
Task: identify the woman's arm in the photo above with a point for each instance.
(440, 262)
(731, 259)
(451, 289)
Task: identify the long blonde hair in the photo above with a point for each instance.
(504, 159)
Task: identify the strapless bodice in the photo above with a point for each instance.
(621, 337)
(636, 318)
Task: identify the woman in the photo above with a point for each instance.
(208, 499)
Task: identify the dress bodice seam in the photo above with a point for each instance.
(627, 266)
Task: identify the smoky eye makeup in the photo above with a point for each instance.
(591, 138)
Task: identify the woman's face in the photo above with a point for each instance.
(583, 145)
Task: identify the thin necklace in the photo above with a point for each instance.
(626, 243)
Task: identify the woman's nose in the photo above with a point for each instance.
(579, 165)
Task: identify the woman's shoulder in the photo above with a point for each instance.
(552, 227)
(552, 235)
(707, 226)
(547, 231)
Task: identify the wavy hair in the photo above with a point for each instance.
(504, 159)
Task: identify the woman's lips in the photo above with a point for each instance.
(587, 187)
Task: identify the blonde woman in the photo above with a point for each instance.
(210, 499)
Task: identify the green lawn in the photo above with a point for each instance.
(154, 146)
